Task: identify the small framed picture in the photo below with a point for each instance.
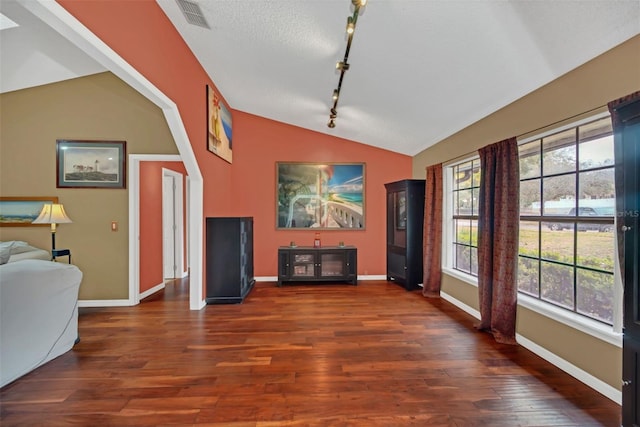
(219, 127)
(91, 164)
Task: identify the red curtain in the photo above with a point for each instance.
(498, 227)
(432, 240)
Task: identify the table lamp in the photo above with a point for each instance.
(54, 214)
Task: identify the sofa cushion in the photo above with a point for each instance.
(5, 252)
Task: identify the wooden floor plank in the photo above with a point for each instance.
(300, 355)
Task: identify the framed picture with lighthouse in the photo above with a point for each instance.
(91, 164)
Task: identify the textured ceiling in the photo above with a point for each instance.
(421, 70)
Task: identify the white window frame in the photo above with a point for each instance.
(602, 331)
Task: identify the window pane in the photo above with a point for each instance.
(557, 246)
(463, 258)
(559, 194)
(475, 194)
(557, 284)
(474, 261)
(456, 202)
(476, 173)
(474, 233)
(528, 276)
(465, 198)
(598, 185)
(596, 249)
(463, 231)
(559, 152)
(595, 129)
(530, 200)
(528, 239)
(595, 294)
(597, 152)
(463, 175)
(529, 159)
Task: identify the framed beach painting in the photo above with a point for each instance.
(219, 124)
(325, 196)
(21, 211)
(91, 164)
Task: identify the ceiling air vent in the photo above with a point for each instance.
(193, 13)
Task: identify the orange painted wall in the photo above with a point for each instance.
(151, 273)
(262, 142)
(141, 33)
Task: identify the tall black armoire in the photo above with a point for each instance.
(627, 154)
(405, 222)
(229, 259)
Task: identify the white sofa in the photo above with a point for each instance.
(18, 250)
(38, 314)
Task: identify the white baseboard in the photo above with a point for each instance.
(583, 376)
(152, 291)
(462, 306)
(579, 374)
(105, 303)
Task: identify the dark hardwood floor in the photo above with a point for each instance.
(301, 355)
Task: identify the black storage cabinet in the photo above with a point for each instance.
(326, 264)
(229, 259)
(405, 224)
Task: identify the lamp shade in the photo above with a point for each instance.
(52, 214)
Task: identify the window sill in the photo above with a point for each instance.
(590, 327)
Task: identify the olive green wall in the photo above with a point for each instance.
(97, 107)
(586, 89)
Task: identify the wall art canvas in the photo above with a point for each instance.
(320, 195)
(21, 211)
(219, 124)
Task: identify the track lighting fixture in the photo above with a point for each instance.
(343, 65)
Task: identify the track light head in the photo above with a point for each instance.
(334, 113)
(336, 94)
(359, 3)
(351, 25)
(343, 66)
(331, 124)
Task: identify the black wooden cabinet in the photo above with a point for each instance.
(310, 264)
(229, 259)
(405, 222)
(627, 155)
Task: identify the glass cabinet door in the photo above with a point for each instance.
(303, 265)
(332, 265)
(397, 214)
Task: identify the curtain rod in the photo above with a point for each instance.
(561, 121)
(530, 132)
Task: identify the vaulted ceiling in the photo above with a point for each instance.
(420, 70)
